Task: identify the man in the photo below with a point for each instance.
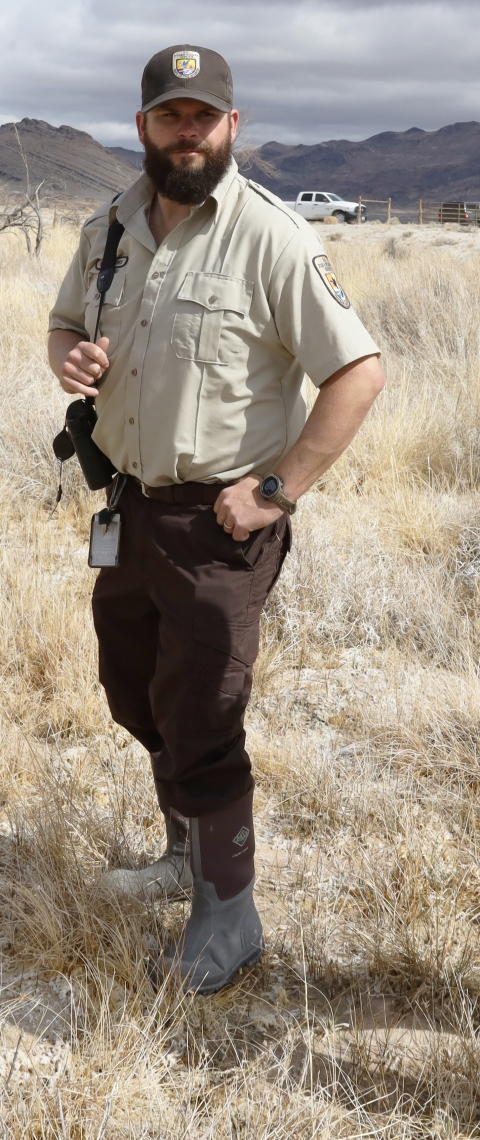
(221, 301)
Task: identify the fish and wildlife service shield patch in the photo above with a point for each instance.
(186, 66)
(326, 272)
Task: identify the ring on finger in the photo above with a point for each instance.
(228, 528)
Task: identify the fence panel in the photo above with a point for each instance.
(422, 212)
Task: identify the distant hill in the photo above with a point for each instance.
(72, 162)
(403, 165)
(133, 157)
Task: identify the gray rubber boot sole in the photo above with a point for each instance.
(170, 879)
(219, 938)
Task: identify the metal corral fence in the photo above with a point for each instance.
(422, 212)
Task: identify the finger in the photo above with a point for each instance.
(89, 367)
(218, 504)
(74, 386)
(72, 371)
(103, 343)
(94, 352)
(240, 534)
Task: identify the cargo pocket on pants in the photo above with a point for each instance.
(224, 655)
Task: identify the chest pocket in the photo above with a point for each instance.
(111, 317)
(208, 324)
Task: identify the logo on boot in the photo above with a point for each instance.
(242, 837)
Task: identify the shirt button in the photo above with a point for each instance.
(143, 323)
(212, 299)
(131, 420)
(154, 275)
(135, 465)
(134, 371)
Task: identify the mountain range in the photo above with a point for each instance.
(72, 164)
(403, 165)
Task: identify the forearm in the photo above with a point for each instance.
(341, 406)
(60, 343)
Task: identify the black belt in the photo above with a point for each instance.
(194, 493)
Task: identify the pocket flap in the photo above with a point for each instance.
(238, 641)
(215, 291)
(113, 295)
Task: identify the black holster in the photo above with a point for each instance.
(80, 421)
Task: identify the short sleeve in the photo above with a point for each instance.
(69, 309)
(315, 320)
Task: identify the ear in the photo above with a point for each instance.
(141, 120)
(234, 117)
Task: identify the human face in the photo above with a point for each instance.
(196, 150)
(180, 126)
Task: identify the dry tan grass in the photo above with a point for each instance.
(362, 1019)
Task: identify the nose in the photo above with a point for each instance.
(188, 129)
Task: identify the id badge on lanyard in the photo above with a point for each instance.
(104, 549)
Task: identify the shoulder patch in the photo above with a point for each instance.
(326, 272)
(275, 201)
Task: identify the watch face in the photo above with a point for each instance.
(270, 485)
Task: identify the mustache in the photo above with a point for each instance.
(178, 148)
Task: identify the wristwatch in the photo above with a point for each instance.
(272, 489)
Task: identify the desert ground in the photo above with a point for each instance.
(362, 1019)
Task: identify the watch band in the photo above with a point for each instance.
(278, 497)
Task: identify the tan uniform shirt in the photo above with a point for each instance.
(210, 334)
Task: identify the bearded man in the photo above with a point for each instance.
(221, 301)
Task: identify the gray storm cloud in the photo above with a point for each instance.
(304, 72)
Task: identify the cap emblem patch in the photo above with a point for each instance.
(186, 66)
(326, 272)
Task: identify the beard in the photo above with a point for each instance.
(186, 184)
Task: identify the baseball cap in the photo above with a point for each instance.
(186, 72)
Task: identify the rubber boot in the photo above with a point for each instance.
(169, 878)
(224, 930)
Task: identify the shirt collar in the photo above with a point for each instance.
(133, 199)
(220, 191)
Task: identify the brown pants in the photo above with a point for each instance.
(178, 629)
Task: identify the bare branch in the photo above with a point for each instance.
(24, 159)
(27, 214)
(247, 152)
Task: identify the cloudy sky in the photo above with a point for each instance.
(304, 70)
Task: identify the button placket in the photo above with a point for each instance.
(152, 288)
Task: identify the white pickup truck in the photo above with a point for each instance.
(315, 205)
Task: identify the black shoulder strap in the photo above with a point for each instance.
(107, 269)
